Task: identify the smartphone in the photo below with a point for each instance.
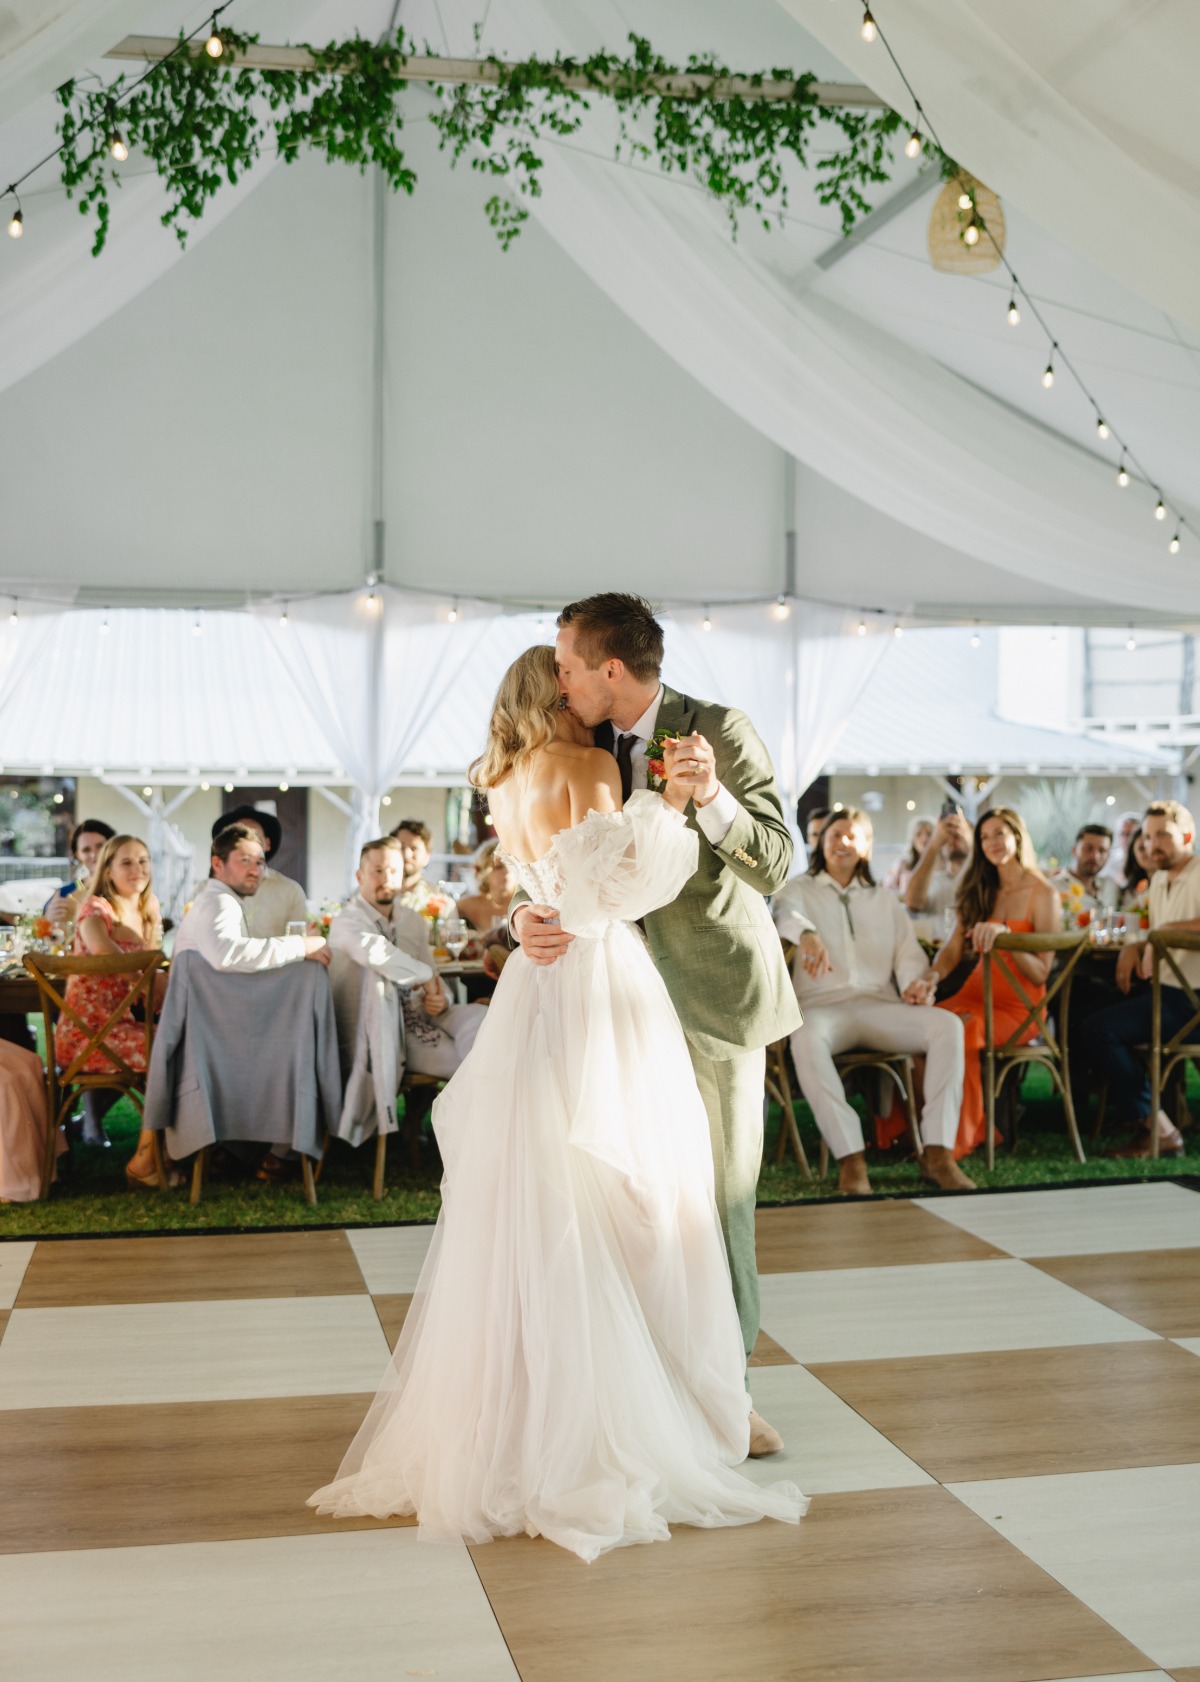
(951, 809)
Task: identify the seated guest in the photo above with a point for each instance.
(1110, 1039)
(277, 901)
(812, 825)
(933, 886)
(487, 908)
(216, 924)
(119, 913)
(920, 833)
(863, 983)
(416, 840)
(23, 1115)
(1134, 886)
(1127, 825)
(86, 844)
(1002, 892)
(368, 969)
(1083, 882)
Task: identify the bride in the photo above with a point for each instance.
(571, 1365)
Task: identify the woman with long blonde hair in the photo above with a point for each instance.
(572, 1364)
(1002, 892)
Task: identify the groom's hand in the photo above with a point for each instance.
(690, 764)
(542, 939)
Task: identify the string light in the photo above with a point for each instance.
(229, 788)
(1122, 472)
(197, 627)
(913, 144)
(104, 625)
(16, 225)
(1160, 509)
(147, 792)
(454, 612)
(706, 622)
(1014, 314)
(780, 609)
(283, 787)
(1101, 427)
(1048, 376)
(1173, 546)
(13, 616)
(204, 787)
(869, 30)
(971, 233)
(976, 639)
(862, 627)
(965, 200)
(117, 146)
(1131, 640)
(897, 630)
(214, 46)
(283, 618)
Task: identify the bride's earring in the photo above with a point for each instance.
(562, 703)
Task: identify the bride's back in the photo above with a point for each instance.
(553, 789)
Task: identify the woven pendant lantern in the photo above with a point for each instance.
(949, 252)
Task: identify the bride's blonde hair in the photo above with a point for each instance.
(523, 716)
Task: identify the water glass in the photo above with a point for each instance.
(455, 935)
(297, 926)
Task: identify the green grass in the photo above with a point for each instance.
(95, 1199)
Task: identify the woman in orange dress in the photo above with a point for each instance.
(1002, 892)
(120, 913)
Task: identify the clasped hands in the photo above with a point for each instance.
(691, 772)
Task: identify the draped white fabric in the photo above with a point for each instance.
(1073, 111)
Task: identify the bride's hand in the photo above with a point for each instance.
(542, 938)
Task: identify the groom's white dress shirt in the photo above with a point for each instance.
(215, 926)
(717, 817)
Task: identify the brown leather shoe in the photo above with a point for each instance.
(1138, 1147)
(852, 1175)
(764, 1438)
(940, 1169)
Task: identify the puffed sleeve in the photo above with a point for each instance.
(619, 866)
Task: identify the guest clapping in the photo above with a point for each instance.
(864, 983)
(119, 913)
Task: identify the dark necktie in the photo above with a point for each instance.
(624, 753)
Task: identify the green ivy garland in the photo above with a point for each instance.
(203, 122)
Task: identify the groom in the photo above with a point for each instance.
(715, 945)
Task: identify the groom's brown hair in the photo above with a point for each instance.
(613, 626)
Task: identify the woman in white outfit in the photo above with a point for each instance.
(864, 983)
(572, 1364)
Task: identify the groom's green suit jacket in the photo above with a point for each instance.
(715, 944)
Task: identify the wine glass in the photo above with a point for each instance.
(455, 935)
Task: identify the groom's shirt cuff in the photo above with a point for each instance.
(716, 819)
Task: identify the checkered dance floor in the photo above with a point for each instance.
(994, 1401)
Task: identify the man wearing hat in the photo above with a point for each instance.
(278, 900)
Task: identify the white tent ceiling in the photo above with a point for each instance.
(613, 401)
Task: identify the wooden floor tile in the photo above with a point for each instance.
(189, 1268)
(3, 1322)
(1031, 1412)
(841, 1235)
(902, 1585)
(392, 1312)
(1191, 1674)
(120, 1477)
(768, 1353)
(1157, 1288)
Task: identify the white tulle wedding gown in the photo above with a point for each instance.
(571, 1365)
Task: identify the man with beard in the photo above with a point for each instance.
(933, 886)
(215, 924)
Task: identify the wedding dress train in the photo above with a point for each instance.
(571, 1365)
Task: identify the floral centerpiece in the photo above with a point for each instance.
(434, 910)
(325, 916)
(1075, 914)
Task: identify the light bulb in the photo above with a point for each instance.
(862, 627)
(214, 46)
(975, 639)
(386, 801)
(1131, 641)
(147, 792)
(16, 226)
(229, 788)
(910, 805)
(117, 147)
(913, 144)
(869, 31)
(283, 787)
(1122, 474)
(971, 234)
(1014, 314)
(197, 627)
(1160, 509)
(454, 612)
(706, 622)
(12, 618)
(1101, 427)
(204, 787)
(283, 619)
(104, 627)
(1048, 376)
(897, 630)
(1173, 546)
(965, 201)
(780, 608)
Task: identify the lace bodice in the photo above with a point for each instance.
(613, 866)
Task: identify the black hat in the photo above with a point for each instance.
(267, 822)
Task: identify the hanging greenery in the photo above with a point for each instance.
(203, 122)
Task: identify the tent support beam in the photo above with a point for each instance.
(445, 71)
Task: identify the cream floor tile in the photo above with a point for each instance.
(1190, 1343)
(939, 1308)
(1082, 1221)
(367, 1606)
(1126, 1676)
(191, 1351)
(14, 1259)
(827, 1446)
(391, 1257)
(1125, 1543)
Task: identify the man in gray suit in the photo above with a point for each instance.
(715, 945)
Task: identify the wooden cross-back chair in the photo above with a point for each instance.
(51, 973)
(1184, 1045)
(1047, 1048)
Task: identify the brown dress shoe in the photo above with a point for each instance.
(852, 1175)
(940, 1169)
(1140, 1145)
(764, 1438)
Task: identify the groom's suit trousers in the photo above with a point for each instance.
(732, 1089)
